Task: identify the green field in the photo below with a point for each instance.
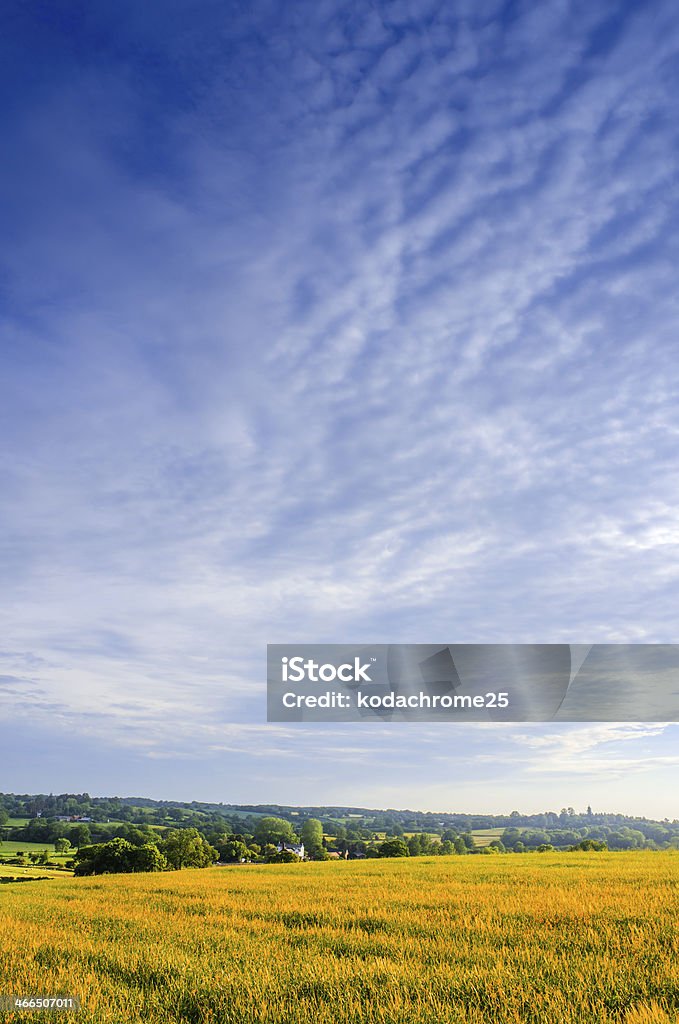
(10, 848)
(558, 938)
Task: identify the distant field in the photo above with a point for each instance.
(34, 871)
(558, 938)
(11, 847)
(485, 836)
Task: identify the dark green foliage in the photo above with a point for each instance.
(118, 856)
(274, 830)
(186, 848)
(233, 851)
(395, 847)
(312, 836)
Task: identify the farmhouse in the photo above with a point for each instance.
(293, 848)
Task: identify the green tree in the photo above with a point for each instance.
(104, 858)
(233, 851)
(274, 830)
(186, 848)
(62, 845)
(81, 836)
(394, 847)
(148, 858)
(118, 856)
(590, 844)
(312, 837)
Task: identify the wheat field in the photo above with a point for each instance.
(553, 939)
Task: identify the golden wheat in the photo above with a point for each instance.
(550, 939)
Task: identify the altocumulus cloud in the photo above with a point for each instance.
(330, 322)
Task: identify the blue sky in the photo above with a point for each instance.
(332, 322)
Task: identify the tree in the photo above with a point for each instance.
(312, 837)
(395, 847)
(118, 856)
(81, 836)
(233, 851)
(62, 845)
(274, 831)
(186, 848)
(148, 858)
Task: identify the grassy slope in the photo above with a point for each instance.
(530, 939)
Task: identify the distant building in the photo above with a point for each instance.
(293, 848)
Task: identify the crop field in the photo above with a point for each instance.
(556, 938)
(485, 836)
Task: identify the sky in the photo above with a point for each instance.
(349, 322)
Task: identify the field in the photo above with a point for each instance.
(485, 836)
(562, 938)
(10, 847)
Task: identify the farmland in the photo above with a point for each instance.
(536, 938)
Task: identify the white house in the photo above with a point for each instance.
(299, 850)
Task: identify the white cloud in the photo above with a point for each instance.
(388, 354)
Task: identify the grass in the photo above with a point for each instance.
(561, 938)
(10, 847)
